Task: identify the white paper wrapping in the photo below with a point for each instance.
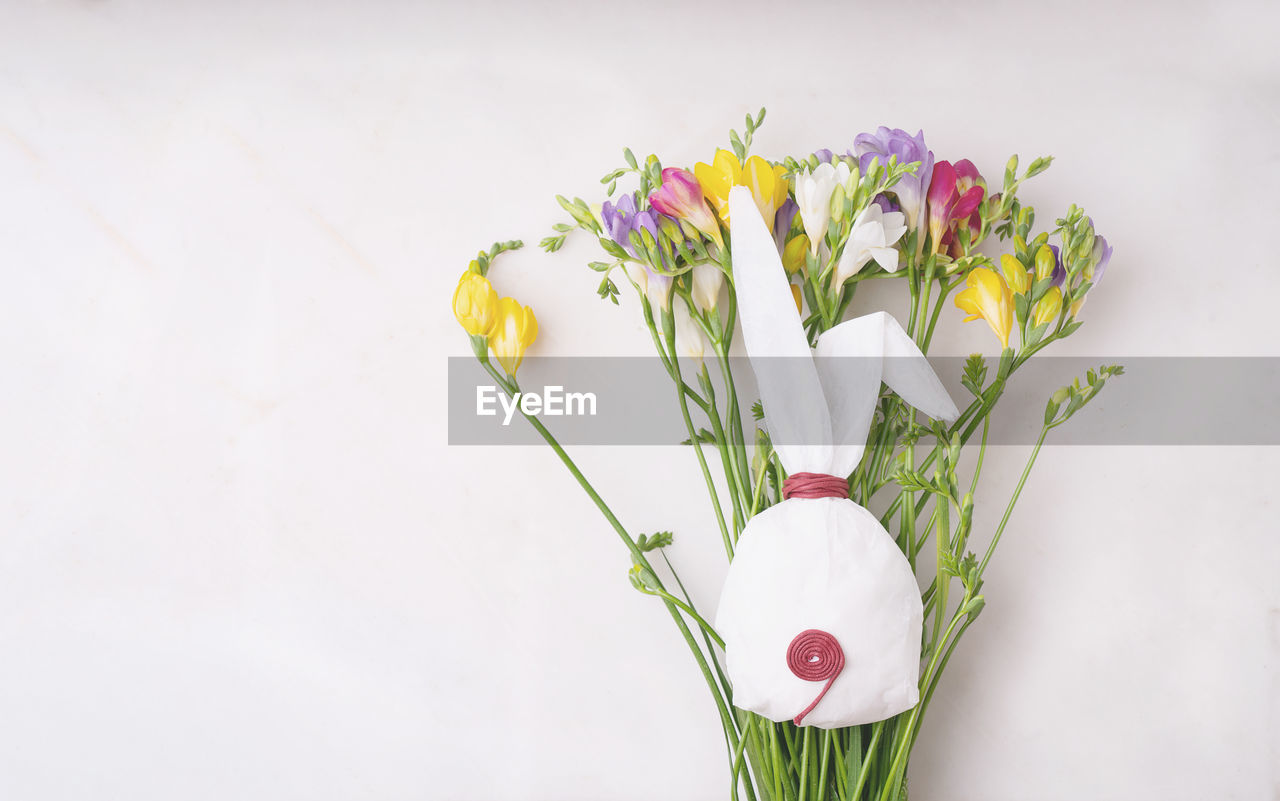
(822, 563)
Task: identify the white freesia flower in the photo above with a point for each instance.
(707, 280)
(873, 236)
(690, 343)
(655, 287)
(813, 196)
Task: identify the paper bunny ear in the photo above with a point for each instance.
(795, 405)
(853, 358)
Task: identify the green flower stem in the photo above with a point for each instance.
(947, 286)
(841, 767)
(995, 540)
(929, 266)
(715, 332)
(756, 750)
(725, 687)
(668, 328)
(691, 612)
(726, 458)
(942, 538)
(721, 347)
(779, 770)
(511, 387)
(933, 682)
(737, 770)
(897, 769)
(865, 771)
(738, 447)
(667, 360)
(907, 523)
(806, 753)
(826, 753)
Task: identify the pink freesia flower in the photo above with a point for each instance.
(954, 194)
(680, 196)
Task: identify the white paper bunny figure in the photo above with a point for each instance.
(820, 613)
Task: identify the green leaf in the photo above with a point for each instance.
(975, 373)
(703, 436)
(608, 290)
(912, 481)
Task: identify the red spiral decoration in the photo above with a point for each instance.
(814, 485)
(814, 655)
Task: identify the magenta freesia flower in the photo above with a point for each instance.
(680, 196)
(910, 189)
(954, 194)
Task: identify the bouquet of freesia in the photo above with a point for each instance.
(820, 226)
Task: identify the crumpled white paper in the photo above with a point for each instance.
(823, 563)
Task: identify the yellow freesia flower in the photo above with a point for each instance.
(1048, 307)
(987, 296)
(717, 178)
(514, 330)
(796, 295)
(766, 181)
(475, 303)
(1015, 275)
(768, 186)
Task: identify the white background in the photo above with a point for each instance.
(238, 559)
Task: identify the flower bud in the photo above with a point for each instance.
(793, 255)
(1045, 263)
(670, 229)
(837, 204)
(475, 303)
(1015, 275)
(1048, 307)
(690, 342)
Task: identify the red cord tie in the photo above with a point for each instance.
(814, 655)
(814, 485)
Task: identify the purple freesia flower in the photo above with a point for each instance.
(1059, 272)
(824, 155)
(910, 189)
(782, 221)
(1101, 255)
(886, 203)
(622, 219)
